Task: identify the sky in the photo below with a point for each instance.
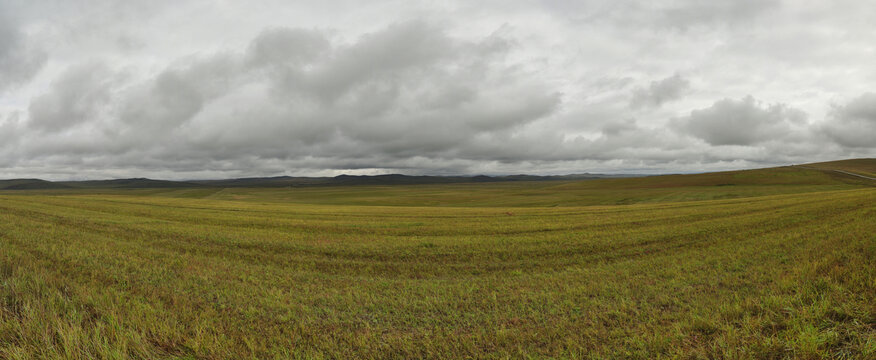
(194, 89)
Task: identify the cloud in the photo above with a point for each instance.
(743, 122)
(167, 101)
(406, 91)
(19, 60)
(687, 13)
(285, 46)
(77, 96)
(854, 124)
(660, 92)
(9, 127)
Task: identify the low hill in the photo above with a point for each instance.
(864, 167)
(30, 184)
(718, 185)
(135, 183)
(843, 173)
(388, 179)
(651, 189)
(276, 181)
(285, 181)
(785, 175)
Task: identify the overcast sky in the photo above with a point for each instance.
(210, 89)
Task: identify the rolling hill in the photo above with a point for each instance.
(134, 183)
(514, 190)
(865, 167)
(287, 181)
(617, 191)
(30, 184)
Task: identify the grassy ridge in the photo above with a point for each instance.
(188, 275)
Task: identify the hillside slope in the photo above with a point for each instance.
(865, 167)
(29, 184)
(652, 189)
(135, 183)
(807, 174)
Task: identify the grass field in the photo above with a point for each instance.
(866, 167)
(774, 263)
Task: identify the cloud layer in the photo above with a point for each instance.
(195, 89)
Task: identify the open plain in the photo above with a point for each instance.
(771, 263)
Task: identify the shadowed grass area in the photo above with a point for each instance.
(135, 276)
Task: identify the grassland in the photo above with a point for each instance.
(776, 263)
(866, 167)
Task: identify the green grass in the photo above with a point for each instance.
(765, 264)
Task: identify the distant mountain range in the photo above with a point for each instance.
(285, 181)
